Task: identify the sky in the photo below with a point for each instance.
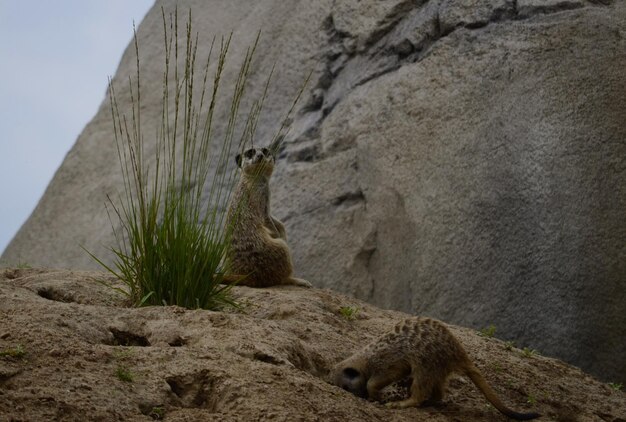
(55, 58)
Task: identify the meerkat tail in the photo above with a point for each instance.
(477, 378)
(294, 281)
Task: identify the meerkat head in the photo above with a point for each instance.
(351, 379)
(256, 161)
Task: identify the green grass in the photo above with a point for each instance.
(528, 353)
(124, 374)
(497, 368)
(170, 246)
(17, 352)
(617, 386)
(122, 371)
(157, 413)
(488, 331)
(349, 312)
(22, 265)
(123, 353)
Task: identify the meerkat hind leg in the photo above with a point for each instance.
(294, 281)
(436, 396)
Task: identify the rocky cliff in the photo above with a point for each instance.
(461, 159)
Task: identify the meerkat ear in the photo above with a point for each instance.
(238, 160)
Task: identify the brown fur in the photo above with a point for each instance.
(420, 348)
(258, 255)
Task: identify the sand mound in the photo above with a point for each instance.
(72, 350)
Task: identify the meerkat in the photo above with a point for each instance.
(420, 348)
(258, 255)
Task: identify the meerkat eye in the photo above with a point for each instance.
(266, 152)
(250, 153)
(351, 373)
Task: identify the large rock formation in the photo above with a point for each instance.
(460, 159)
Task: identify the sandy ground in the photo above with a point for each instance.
(70, 349)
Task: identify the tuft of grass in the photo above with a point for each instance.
(617, 386)
(488, 331)
(17, 352)
(124, 374)
(123, 353)
(21, 265)
(349, 312)
(508, 345)
(157, 413)
(531, 399)
(170, 246)
(528, 352)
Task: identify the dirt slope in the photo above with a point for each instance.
(267, 362)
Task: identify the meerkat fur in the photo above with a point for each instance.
(258, 255)
(423, 349)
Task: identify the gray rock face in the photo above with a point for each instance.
(459, 159)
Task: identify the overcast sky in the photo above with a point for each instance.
(55, 57)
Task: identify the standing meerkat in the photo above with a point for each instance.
(258, 255)
(420, 348)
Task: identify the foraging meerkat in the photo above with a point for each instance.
(420, 348)
(258, 255)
